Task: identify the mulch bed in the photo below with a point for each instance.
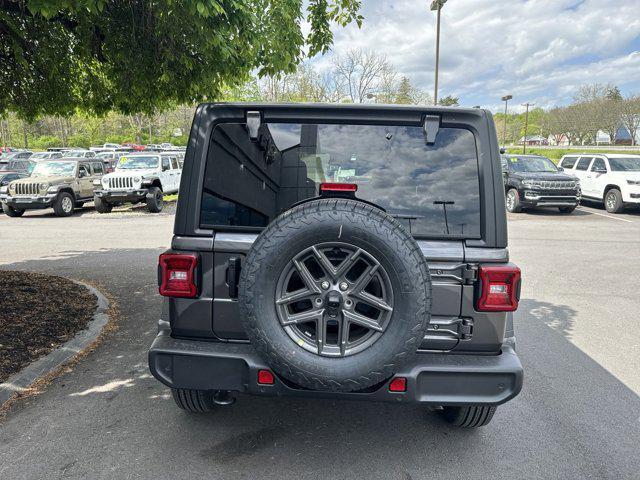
(38, 313)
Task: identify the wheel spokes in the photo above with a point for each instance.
(306, 276)
(294, 296)
(334, 299)
(358, 319)
(373, 301)
(307, 316)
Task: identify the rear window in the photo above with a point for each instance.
(432, 189)
(568, 162)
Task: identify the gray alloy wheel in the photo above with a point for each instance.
(613, 201)
(334, 299)
(64, 205)
(513, 201)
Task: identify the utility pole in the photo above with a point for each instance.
(526, 126)
(437, 6)
(505, 99)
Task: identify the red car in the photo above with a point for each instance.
(134, 146)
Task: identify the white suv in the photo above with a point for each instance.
(613, 179)
(139, 177)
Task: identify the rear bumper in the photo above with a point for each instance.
(432, 378)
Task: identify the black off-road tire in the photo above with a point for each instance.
(470, 416)
(155, 201)
(196, 401)
(567, 209)
(513, 206)
(61, 205)
(613, 201)
(11, 212)
(101, 205)
(358, 224)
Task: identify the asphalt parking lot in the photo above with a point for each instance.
(578, 415)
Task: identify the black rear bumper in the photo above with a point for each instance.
(432, 378)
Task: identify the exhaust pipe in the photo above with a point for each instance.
(223, 398)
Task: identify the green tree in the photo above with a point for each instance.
(449, 101)
(144, 56)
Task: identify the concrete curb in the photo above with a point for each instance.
(19, 382)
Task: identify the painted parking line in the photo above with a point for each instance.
(605, 215)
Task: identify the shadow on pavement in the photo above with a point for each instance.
(111, 419)
(558, 317)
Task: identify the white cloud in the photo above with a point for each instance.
(538, 50)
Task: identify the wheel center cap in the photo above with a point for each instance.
(334, 302)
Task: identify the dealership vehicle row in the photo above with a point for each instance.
(530, 181)
(65, 181)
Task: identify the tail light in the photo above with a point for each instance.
(499, 288)
(398, 384)
(338, 187)
(177, 275)
(265, 377)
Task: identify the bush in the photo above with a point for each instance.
(79, 141)
(45, 141)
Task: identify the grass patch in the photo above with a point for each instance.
(171, 198)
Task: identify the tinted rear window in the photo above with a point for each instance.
(248, 184)
(568, 162)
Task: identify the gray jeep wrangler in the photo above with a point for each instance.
(340, 251)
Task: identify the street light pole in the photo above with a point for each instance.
(505, 99)
(526, 126)
(437, 6)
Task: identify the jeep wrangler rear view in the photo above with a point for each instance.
(340, 251)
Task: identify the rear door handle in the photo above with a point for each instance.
(233, 276)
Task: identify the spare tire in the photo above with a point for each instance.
(336, 295)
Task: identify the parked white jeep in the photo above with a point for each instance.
(139, 177)
(613, 179)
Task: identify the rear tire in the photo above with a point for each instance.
(155, 201)
(376, 350)
(11, 212)
(472, 416)
(513, 201)
(566, 209)
(196, 401)
(613, 201)
(64, 205)
(101, 205)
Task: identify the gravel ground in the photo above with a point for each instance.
(38, 314)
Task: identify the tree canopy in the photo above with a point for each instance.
(145, 55)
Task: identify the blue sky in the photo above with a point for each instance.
(539, 51)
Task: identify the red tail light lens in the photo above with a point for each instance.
(177, 275)
(499, 288)
(398, 384)
(265, 377)
(338, 187)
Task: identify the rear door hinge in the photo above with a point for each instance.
(466, 329)
(469, 273)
